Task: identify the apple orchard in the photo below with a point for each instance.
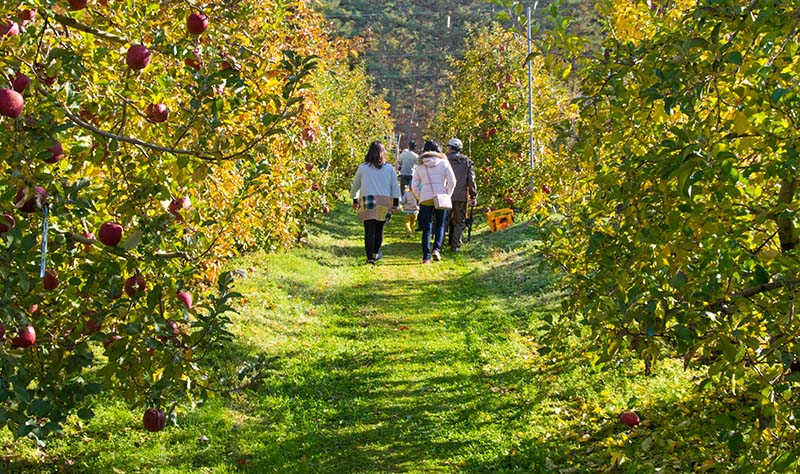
(136, 137)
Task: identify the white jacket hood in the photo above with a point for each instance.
(432, 158)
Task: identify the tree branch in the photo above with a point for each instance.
(73, 23)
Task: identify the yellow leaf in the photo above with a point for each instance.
(740, 123)
(659, 114)
(566, 72)
(705, 466)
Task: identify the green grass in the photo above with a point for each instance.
(402, 367)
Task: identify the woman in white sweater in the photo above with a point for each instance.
(375, 195)
(433, 176)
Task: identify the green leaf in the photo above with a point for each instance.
(725, 421)
(734, 57)
(778, 94)
(785, 461)
(760, 275)
(735, 441)
(133, 240)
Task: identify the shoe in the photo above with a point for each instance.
(370, 261)
(378, 256)
(426, 261)
(454, 249)
(436, 256)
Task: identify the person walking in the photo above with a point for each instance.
(433, 176)
(464, 195)
(407, 163)
(375, 195)
(410, 210)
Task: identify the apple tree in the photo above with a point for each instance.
(679, 236)
(133, 134)
(487, 108)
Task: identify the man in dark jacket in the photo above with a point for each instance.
(466, 192)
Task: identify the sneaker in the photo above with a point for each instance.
(426, 261)
(378, 256)
(436, 256)
(370, 261)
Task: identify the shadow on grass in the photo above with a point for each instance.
(382, 403)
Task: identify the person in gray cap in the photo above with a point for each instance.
(466, 192)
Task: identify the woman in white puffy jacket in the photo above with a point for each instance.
(433, 176)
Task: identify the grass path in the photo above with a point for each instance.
(392, 376)
(397, 367)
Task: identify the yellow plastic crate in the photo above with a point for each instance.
(500, 219)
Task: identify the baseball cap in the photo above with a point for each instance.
(455, 143)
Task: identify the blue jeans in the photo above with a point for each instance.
(426, 215)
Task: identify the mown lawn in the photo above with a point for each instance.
(402, 367)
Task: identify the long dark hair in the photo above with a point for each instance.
(376, 156)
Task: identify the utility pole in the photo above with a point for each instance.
(530, 91)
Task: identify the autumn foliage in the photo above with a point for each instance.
(153, 140)
(672, 204)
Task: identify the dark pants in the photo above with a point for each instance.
(432, 222)
(373, 237)
(456, 223)
(405, 180)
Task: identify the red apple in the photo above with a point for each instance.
(629, 418)
(8, 27)
(157, 113)
(154, 420)
(49, 80)
(314, 186)
(11, 103)
(94, 323)
(172, 329)
(195, 62)
(110, 234)
(88, 235)
(6, 223)
(111, 340)
(309, 134)
(86, 115)
(138, 57)
(309, 166)
(50, 281)
(326, 209)
(546, 189)
(177, 205)
(57, 153)
(76, 5)
(135, 285)
(34, 308)
(186, 298)
(20, 82)
(26, 15)
(196, 23)
(38, 199)
(25, 338)
(510, 201)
